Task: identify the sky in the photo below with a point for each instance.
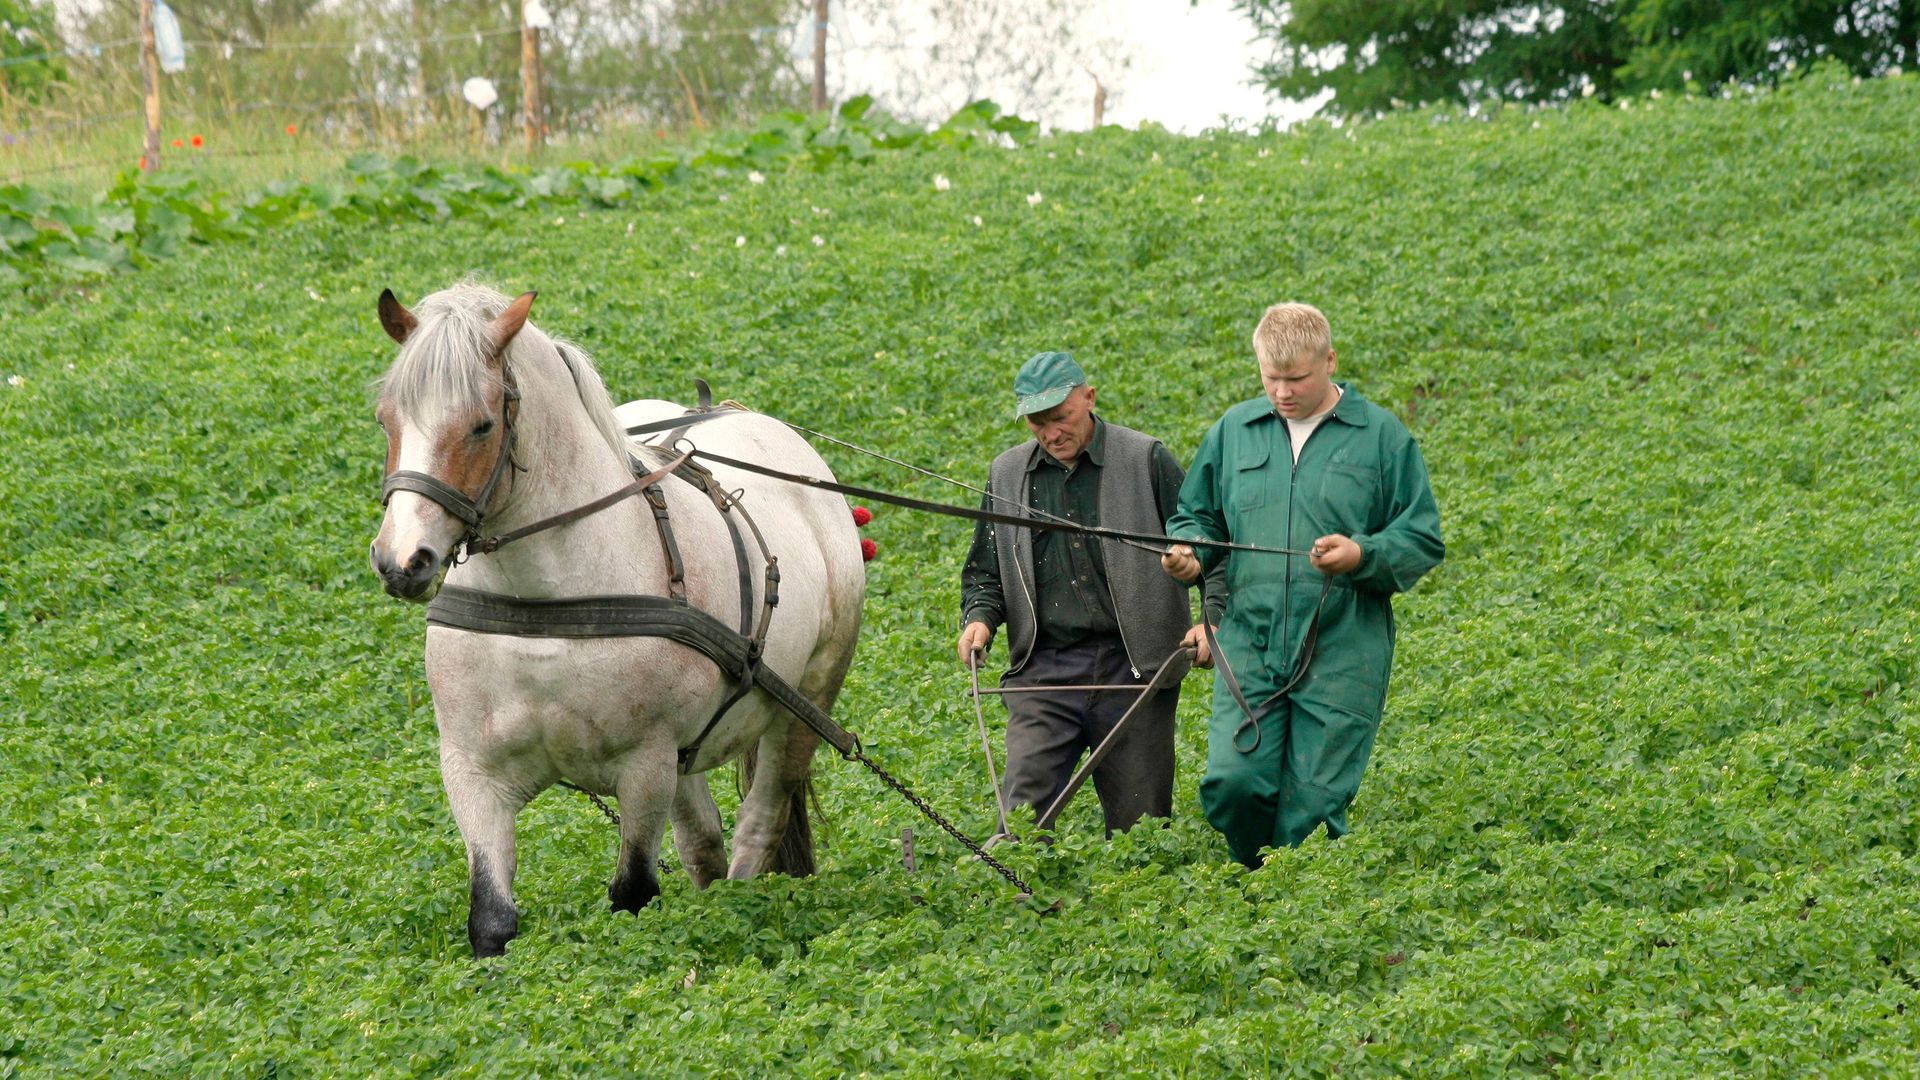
(1193, 64)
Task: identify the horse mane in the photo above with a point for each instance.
(443, 364)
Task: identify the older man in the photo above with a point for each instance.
(1079, 610)
(1313, 466)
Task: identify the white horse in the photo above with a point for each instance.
(510, 427)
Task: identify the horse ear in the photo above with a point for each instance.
(395, 318)
(511, 320)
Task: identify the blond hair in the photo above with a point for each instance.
(1290, 331)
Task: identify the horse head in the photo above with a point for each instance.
(448, 406)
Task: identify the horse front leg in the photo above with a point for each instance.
(484, 808)
(646, 792)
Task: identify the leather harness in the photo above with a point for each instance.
(736, 652)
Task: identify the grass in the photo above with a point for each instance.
(1644, 800)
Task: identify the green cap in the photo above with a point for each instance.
(1045, 381)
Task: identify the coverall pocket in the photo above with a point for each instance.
(1348, 494)
(1250, 481)
(1330, 748)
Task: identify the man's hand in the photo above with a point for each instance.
(1196, 640)
(1333, 555)
(1180, 562)
(977, 635)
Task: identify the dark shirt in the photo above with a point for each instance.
(1073, 602)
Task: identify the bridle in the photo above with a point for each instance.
(472, 512)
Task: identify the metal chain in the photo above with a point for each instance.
(612, 815)
(859, 754)
(596, 800)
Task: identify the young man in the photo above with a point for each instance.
(1313, 466)
(1079, 610)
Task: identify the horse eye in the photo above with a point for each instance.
(483, 428)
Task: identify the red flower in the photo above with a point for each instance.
(177, 144)
(868, 549)
(198, 142)
(861, 515)
(143, 163)
(293, 129)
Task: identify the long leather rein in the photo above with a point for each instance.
(469, 609)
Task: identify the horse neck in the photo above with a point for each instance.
(567, 464)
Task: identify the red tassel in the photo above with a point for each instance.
(868, 549)
(861, 515)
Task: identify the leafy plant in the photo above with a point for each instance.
(1644, 802)
(142, 218)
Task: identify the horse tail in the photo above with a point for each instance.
(793, 854)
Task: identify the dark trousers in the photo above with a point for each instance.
(1048, 733)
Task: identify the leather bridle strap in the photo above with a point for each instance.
(490, 544)
(450, 498)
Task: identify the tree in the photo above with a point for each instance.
(1374, 55)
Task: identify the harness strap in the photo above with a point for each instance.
(490, 544)
(663, 525)
(744, 678)
(755, 636)
(746, 575)
(629, 616)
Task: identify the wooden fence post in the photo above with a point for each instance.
(530, 86)
(150, 72)
(819, 55)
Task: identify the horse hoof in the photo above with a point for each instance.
(633, 896)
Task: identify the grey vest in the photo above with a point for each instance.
(1151, 608)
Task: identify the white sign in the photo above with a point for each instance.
(479, 92)
(535, 16)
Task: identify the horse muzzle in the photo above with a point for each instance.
(417, 580)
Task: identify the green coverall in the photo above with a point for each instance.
(1359, 475)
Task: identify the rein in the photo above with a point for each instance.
(489, 544)
(738, 653)
(1048, 522)
(1037, 519)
